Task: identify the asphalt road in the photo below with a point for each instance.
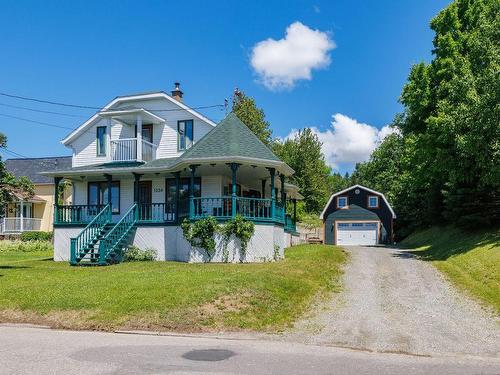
(394, 302)
(44, 351)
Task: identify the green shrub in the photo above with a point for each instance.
(25, 247)
(36, 236)
(134, 254)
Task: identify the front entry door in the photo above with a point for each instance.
(145, 200)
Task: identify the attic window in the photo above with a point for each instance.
(185, 134)
(372, 201)
(341, 202)
(101, 140)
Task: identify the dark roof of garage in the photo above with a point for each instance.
(354, 213)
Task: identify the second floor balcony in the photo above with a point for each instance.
(132, 149)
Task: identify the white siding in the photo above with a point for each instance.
(211, 186)
(164, 134)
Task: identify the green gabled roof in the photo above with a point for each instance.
(231, 137)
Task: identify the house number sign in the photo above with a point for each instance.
(158, 190)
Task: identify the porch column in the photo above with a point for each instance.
(283, 196)
(234, 168)
(177, 181)
(57, 180)
(109, 178)
(137, 178)
(191, 191)
(263, 188)
(139, 138)
(272, 172)
(21, 205)
(294, 201)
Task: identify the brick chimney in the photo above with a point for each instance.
(176, 92)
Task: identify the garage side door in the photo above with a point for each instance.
(357, 233)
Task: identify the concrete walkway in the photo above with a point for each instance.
(393, 302)
(44, 351)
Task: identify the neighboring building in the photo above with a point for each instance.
(358, 216)
(156, 161)
(36, 213)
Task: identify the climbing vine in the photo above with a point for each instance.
(241, 228)
(201, 233)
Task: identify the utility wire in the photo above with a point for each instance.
(98, 108)
(41, 111)
(6, 150)
(36, 122)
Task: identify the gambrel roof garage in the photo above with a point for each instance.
(358, 216)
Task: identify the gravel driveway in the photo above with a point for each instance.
(396, 303)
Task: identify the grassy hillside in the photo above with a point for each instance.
(470, 260)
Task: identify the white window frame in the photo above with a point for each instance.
(369, 201)
(346, 202)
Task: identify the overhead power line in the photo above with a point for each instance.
(41, 111)
(6, 150)
(36, 122)
(98, 108)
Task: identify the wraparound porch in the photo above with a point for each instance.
(256, 193)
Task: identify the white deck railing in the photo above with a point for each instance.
(18, 225)
(126, 150)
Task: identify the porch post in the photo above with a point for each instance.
(283, 196)
(191, 191)
(177, 181)
(57, 180)
(273, 192)
(22, 215)
(294, 201)
(108, 180)
(137, 178)
(139, 138)
(234, 168)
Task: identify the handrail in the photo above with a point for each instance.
(76, 213)
(90, 233)
(113, 238)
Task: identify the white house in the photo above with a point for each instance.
(147, 161)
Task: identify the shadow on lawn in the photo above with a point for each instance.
(12, 267)
(444, 248)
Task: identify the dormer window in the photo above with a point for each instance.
(341, 202)
(185, 134)
(373, 201)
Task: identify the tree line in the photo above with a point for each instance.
(442, 163)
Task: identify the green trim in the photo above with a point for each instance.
(100, 149)
(185, 135)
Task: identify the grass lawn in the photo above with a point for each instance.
(166, 295)
(470, 260)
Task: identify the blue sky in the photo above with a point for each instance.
(88, 52)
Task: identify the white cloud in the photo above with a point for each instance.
(279, 64)
(348, 141)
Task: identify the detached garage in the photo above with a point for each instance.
(358, 216)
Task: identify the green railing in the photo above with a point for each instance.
(114, 239)
(88, 237)
(156, 213)
(76, 214)
(257, 209)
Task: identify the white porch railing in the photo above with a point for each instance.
(18, 225)
(126, 150)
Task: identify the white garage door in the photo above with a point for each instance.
(357, 233)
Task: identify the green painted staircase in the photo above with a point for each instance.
(101, 242)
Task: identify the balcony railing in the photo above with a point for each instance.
(18, 225)
(125, 149)
(255, 209)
